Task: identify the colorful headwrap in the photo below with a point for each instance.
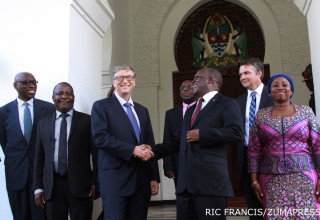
(280, 75)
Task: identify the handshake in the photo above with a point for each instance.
(143, 152)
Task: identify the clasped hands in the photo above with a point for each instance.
(143, 152)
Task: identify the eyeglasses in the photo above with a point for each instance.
(129, 78)
(28, 82)
(188, 87)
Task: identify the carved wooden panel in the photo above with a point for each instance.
(218, 34)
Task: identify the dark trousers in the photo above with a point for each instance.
(252, 201)
(134, 207)
(62, 202)
(197, 207)
(22, 203)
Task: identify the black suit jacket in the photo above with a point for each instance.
(203, 165)
(19, 155)
(265, 101)
(120, 174)
(80, 149)
(173, 121)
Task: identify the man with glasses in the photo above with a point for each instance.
(173, 121)
(119, 128)
(18, 122)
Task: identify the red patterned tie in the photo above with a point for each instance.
(196, 112)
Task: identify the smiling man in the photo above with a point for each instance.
(18, 122)
(251, 73)
(119, 127)
(63, 149)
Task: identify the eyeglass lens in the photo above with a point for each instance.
(186, 87)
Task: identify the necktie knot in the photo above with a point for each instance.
(253, 94)
(64, 115)
(127, 105)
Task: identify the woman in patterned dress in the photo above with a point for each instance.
(284, 155)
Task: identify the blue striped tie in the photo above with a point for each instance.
(252, 111)
(27, 122)
(133, 120)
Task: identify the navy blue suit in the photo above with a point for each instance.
(242, 166)
(120, 174)
(19, 157)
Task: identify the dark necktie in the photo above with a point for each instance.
(252, 111)
(27, 122)
(133, 120)
(62, 154)
(196, 112)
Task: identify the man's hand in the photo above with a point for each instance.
(92, 192)
(39, 199)
(154, 187)
(144, 152)
(192, 135)
(170, 174)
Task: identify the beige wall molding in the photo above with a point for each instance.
(97, 14)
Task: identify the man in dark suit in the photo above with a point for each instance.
(251, 73)
(119, 127)
(173, 121)
(72, 189)
(18, 121)
(208, 128)
(308, 79)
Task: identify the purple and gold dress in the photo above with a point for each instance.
(285, 153)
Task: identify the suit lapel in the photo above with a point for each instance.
(14, 117)
(74, 122)
(264, 98)
(243, 105)
(180, 113)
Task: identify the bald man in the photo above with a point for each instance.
(18, 122)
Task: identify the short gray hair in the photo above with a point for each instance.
(121, 67)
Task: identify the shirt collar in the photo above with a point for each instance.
(58, 113)
(122, 101)
(258, 90)
(21, 102)
(185, 105)
(209, 96)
